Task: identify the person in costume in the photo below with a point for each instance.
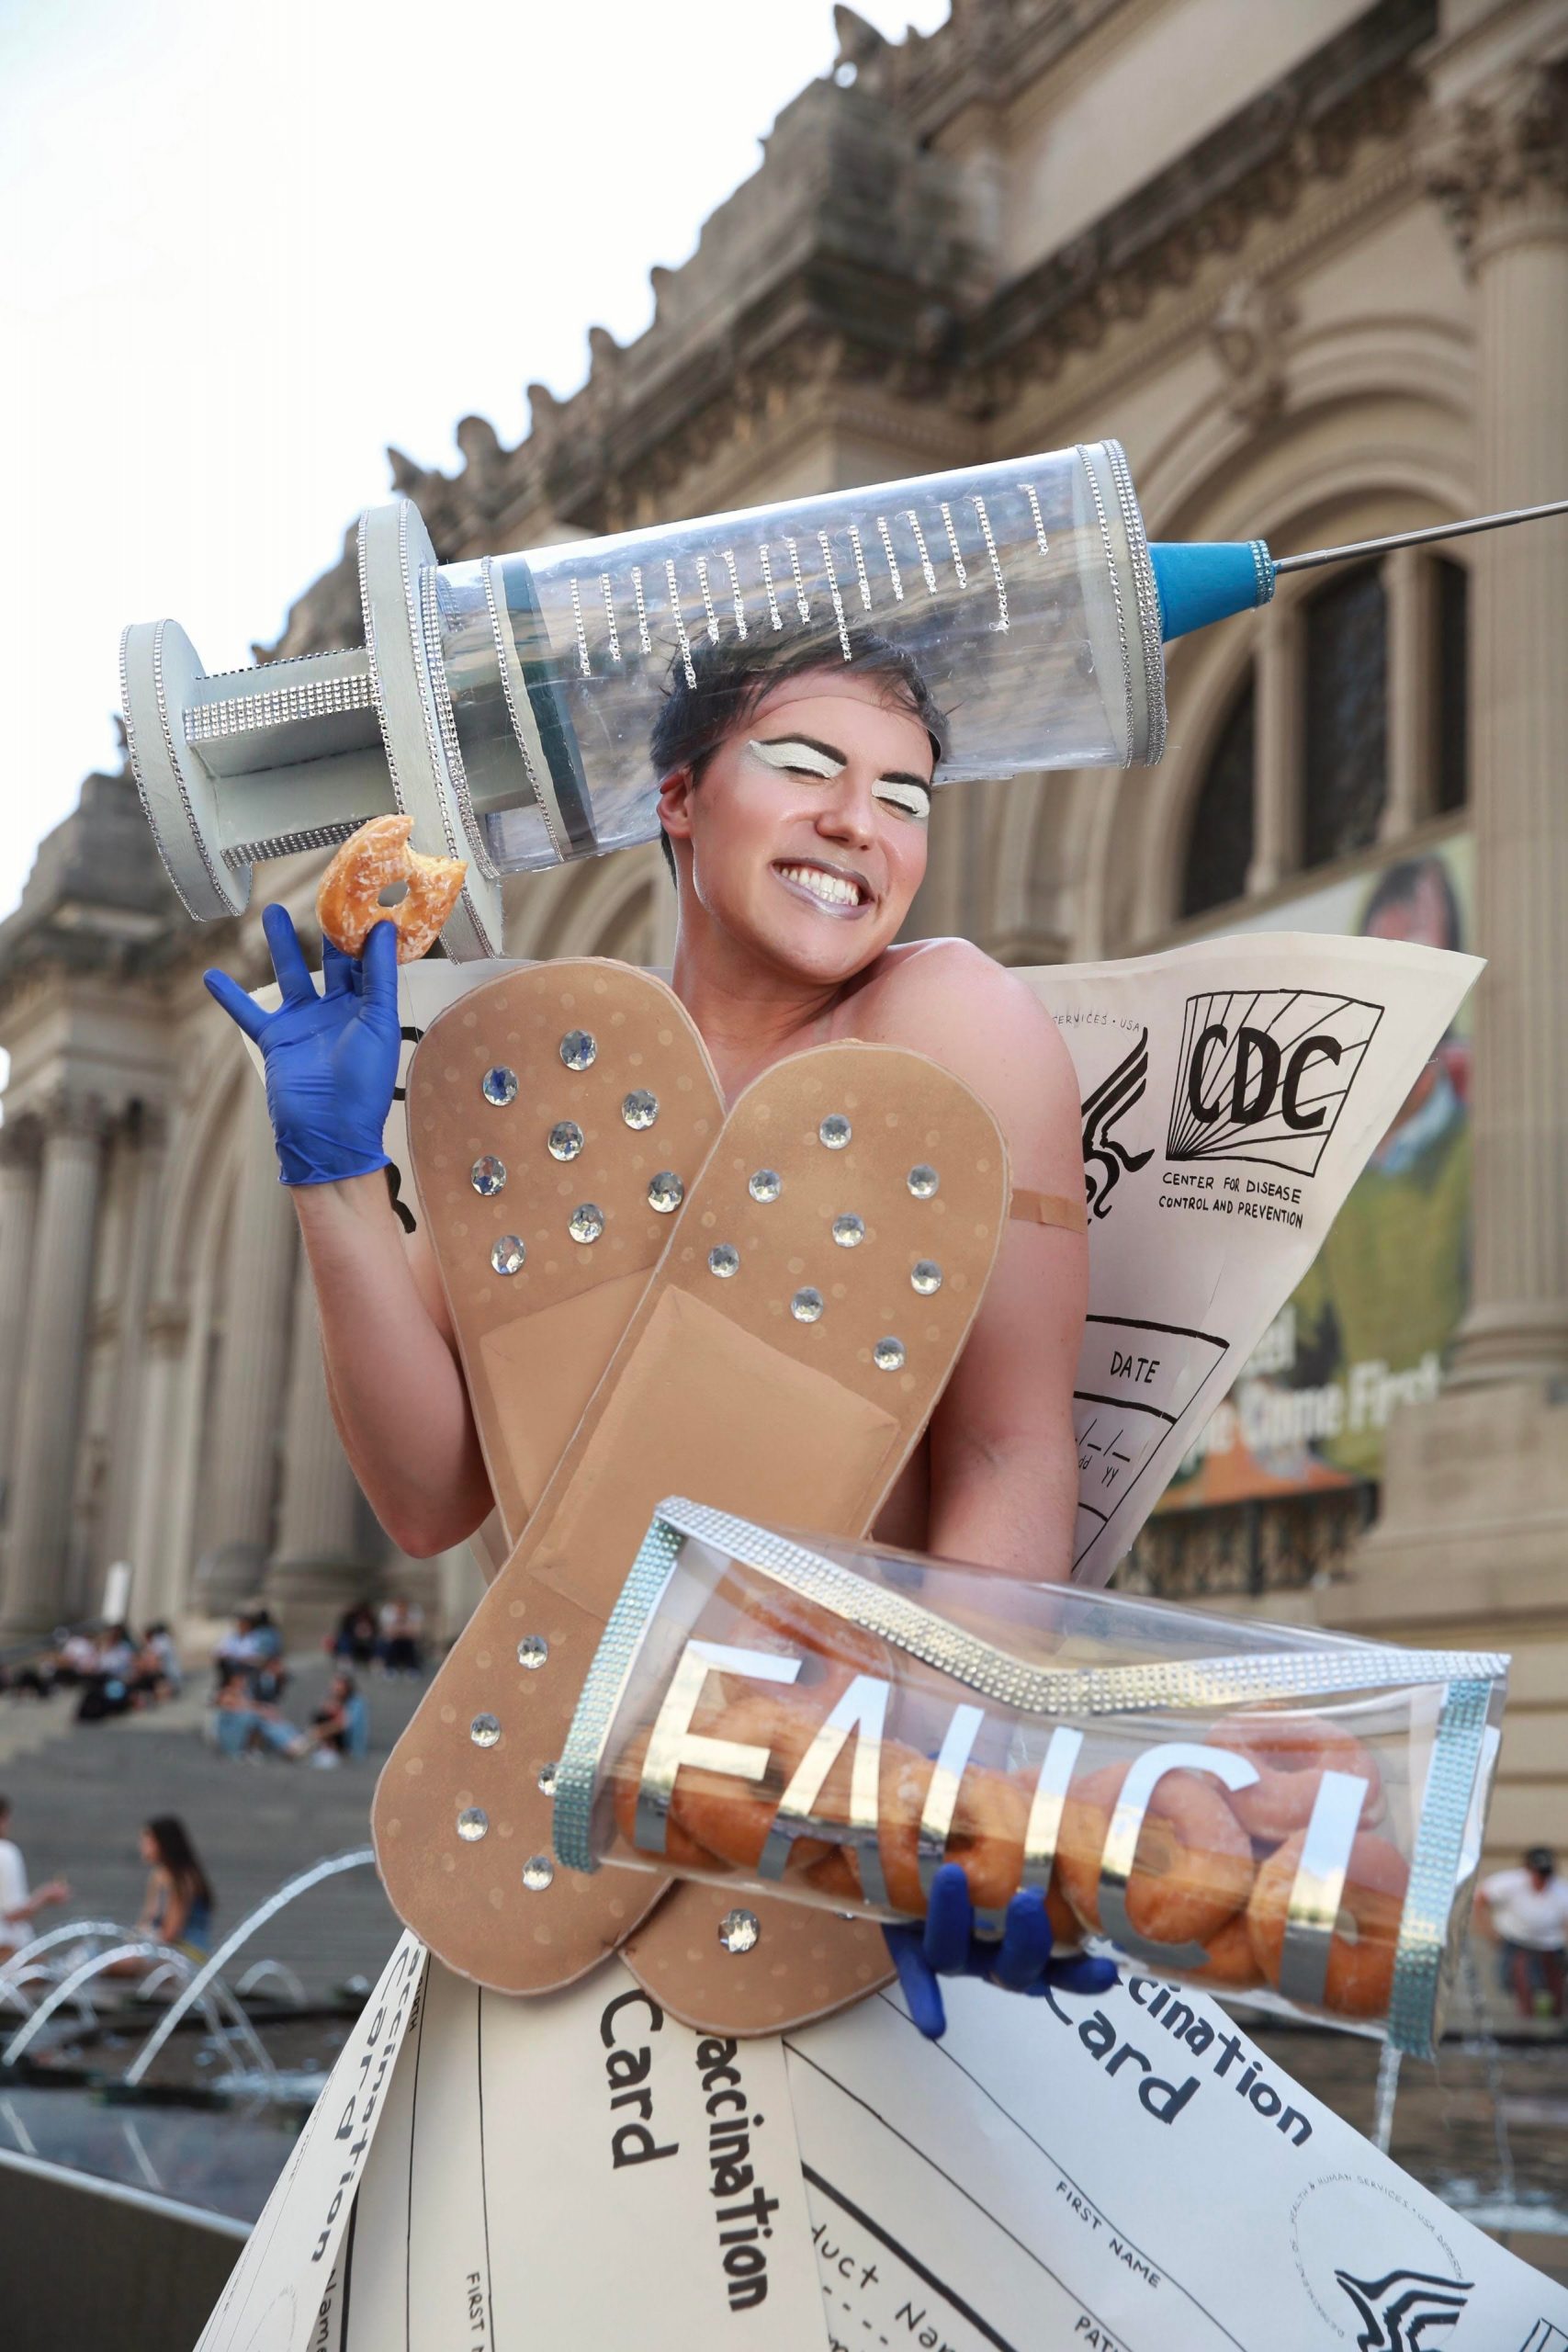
(796, 792)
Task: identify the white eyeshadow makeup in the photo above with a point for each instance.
(787, 753)
(912, 799)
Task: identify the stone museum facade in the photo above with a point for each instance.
(1310, 265)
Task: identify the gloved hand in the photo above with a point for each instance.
(332, 1058)
(945, 1944)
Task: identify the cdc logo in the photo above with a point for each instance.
(1263, 1075)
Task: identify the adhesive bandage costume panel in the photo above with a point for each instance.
(555, 1118)
(786, 1359)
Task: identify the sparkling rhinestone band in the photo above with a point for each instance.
(1426, 1924)
(289, 845)
(1110, 554)
(278, 707)
(1073, 1691)
(577, 1771)
(1147, 594)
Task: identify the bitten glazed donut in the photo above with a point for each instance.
(1361, 1949)
(986, 1837)
(349, 900)
(1290, 1755)
(1191, 1870)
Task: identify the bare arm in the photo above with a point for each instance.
(1003, 1455)
(397, 1389)
(176, 1911)
(54, 1890)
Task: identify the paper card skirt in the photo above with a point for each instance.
(1272, 1812)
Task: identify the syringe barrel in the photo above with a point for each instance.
(507, 705)
(1022, 591)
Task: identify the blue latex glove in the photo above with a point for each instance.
(332, 1058)
(946, 1945)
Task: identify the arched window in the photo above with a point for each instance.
(1345, 709)
(1350, 729)
(1219, 845)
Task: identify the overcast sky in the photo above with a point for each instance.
(244, 248)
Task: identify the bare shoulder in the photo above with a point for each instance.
(947, 998)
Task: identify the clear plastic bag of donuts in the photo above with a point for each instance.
(1283, 1816)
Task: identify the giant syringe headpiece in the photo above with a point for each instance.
(506, 704)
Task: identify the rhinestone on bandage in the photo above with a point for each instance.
(532, 1652)
(499, 1086)
(923, 1181)
(888, 1355)
(724, 1261)
(547, 1779)
(538, 1873)
(807, 1304)
(640, 1109)
(765, 1186)
(508, 1255)
(564, 1140)
(578, 1048)
(484, 1731)
(666, 1193)
(835, 1131)
(925, 1276)
(849, 1232)
(739, 1931)
(488, 1174)
(472, 1823)
(586, 1222)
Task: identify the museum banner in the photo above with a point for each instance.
(1367, 1331)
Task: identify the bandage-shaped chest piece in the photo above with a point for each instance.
(759, 1312)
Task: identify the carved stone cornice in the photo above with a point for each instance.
(1256, 168)
(853, 269)
(1491, 158)
(1247, 334)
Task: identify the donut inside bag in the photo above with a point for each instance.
(831, 1723)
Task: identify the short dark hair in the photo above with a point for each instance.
(726, 680)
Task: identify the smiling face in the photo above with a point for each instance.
(804, 838)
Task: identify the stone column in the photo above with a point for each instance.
(317, 1568)
(1502, 172)
(1409, 585)
(18, 1213)
(151, 1136)
(1279, 741)
(1469, 1545)
(39, 1533)
(247, 1432)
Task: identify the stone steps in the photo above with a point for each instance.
(81, 1792)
